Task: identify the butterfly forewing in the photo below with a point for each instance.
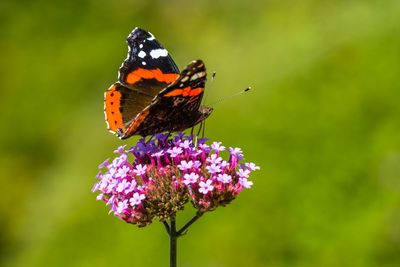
(148, 66)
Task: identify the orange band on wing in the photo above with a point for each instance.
(133, 127)
(185, 92)
(157, 74)
(112, 100)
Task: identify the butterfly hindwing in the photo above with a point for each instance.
(175, 108)
(121, 107)
(188, 89)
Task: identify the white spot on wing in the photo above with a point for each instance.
(141, 46)
(197, 75)
(143, 63)
(142, 54)
(156, 53)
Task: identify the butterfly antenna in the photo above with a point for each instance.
(231, 96)
(211, 83)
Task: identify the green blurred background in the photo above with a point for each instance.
(322, 121)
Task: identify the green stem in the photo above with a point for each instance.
(166, 226)
(173, 237)
(174, 234)
(183, 230)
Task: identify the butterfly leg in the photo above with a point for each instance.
(168, 135)
(202, 128)
(151, 137)
(199, 130)
(203, 124)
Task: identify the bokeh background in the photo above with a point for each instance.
(322, 121)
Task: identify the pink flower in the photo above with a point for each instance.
(244, 173)
(245, 183)
(136, 199)
(122, 206)
(205, 187)
(185, 144)
(122, 186)
(185, 165)
(190, 178)
(217, 146)
(168, 172)
(140, 169)
(214, 159)
(251, 166)
(122, 172)
(213, 168)
(175, 151)
(224, 178)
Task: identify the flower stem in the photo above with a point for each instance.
(189, 223)
(173, 236)
(166, 226)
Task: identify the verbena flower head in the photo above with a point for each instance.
(164, 174)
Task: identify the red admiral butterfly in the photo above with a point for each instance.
(151, 95)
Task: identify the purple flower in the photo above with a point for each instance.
(196, 164)
(175, 151)
(120, 149)
(214, 159)
(122, 186)
(185, 144)
(185, 165)
(217, 146)
(166, 173)
(136, 199)
(205, 187)
(104, 164)
(224, 178)
(251, 166)
(158, 154)
(110, 201)
(140, 169)
(131, 187)
(190, 178)
(123, 205)
(235, 152)
(244, 173)
(213, 168)
(122, 172)
(223, 164)
(204, 147)
(245, 183)
(161, 136)
(118, 161)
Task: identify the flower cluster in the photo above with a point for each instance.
(166, 173)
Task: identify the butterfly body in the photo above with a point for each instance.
(151, 95)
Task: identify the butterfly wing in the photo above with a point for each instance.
(148, 66)
(176, 107)
(147, 70)
(188, 89)
(121, 107)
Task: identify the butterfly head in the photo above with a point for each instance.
(205, 112)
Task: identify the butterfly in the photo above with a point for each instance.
(151, 95)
